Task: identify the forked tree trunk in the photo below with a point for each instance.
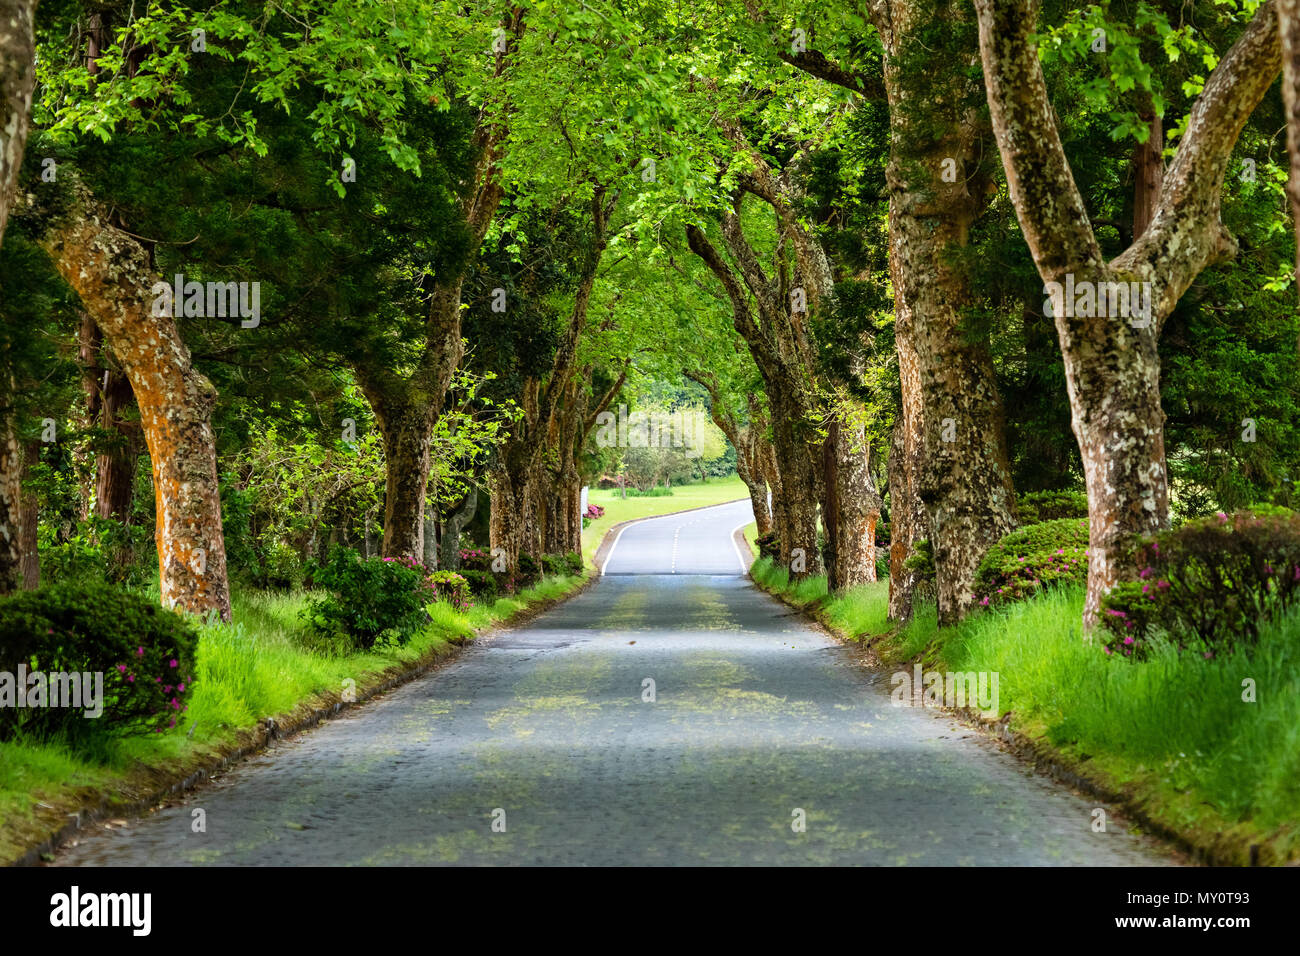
(1111, 360)
(453, 525)
(17, 79)
(110, 272)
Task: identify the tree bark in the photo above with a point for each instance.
(1111, 360)
(857, 507)
(11, 470)
(909, 523)
(936, 191)
(454, 524)
(110, 272)
(1289, 29)
(17, 80)
(27, 538)
(115, 465)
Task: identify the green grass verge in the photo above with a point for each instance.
(262, 664)
(716, 491)
(1173, 733)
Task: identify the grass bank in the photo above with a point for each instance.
(261, 665)
(684, 497)
(1172, 736)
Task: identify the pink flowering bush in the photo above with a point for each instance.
(1033, 557)
(1209, 583)
(143, 653)
(451, 588)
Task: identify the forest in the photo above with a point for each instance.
(334, 332)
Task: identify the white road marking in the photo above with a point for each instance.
(617, 538)
(739, 556)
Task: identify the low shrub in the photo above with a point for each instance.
(1032, 557)
(482, 584)
(594, 511)
(657, 491)
(769, 546)
(1210, 582)
(140, 655)
(563, 564)
(475, 559)
(452, 588)
(371, 600)
(1040, 506)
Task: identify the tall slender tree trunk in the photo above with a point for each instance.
(1289, 30)
(936, 191)
(17, 80)
(857, 507)
(110, 271)
(115, 466)
(453, 527)
(11, 471)
(31, 555)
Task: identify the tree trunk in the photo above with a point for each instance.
(857, 508)
(1289, 28)
(936, 191)
(798, 462)
(17, 79)
(1111, 359)
(115, 466)
(460, 516)
(31, 555)
(908, 521)
(406, 424)
(11, 470)
(512, 521)
(110, 271)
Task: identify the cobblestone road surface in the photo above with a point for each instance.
(548, 730)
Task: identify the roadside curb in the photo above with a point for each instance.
(1050, 762)
(252, 740)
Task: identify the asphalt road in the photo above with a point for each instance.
(548, 745)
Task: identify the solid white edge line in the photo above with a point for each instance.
(617, 538)
(739, 556)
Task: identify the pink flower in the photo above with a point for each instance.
(130, 678)
(175, 663)
(121, 668)
(1162, 584)
(181, 688)
(139, 652)
(1128, 640)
